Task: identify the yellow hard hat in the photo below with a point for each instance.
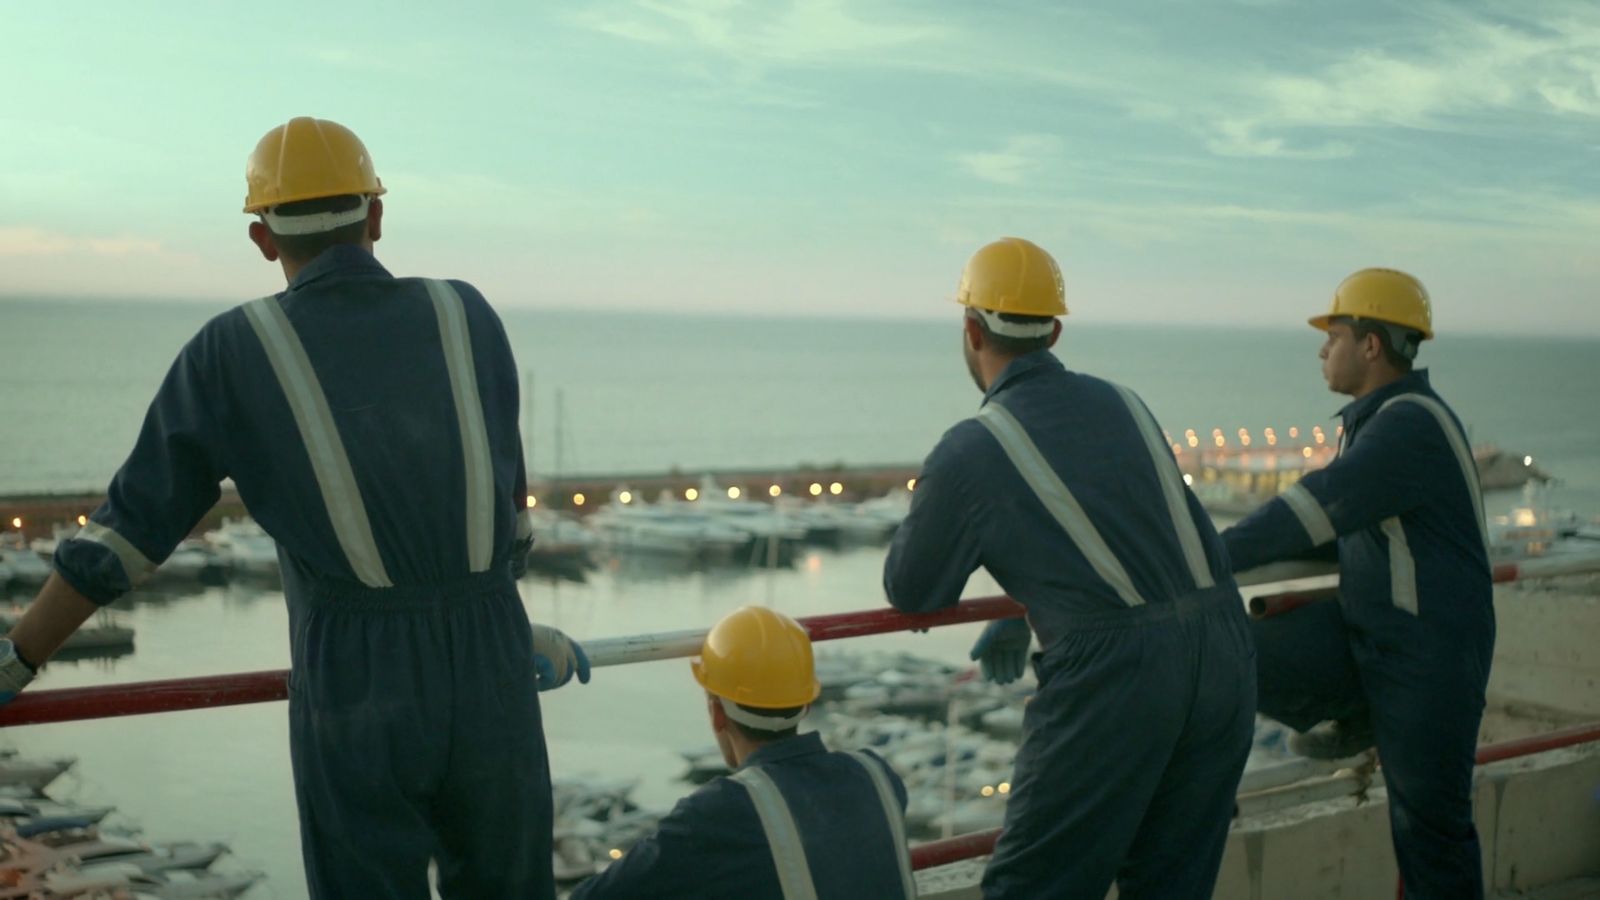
(1383, 295)
(306, 159)
(758, 657)
(1012, 275)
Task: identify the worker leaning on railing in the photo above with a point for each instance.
(415, 729)
(1402, 656)
(1063, 487)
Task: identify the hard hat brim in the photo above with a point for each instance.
(1322, 322)
(1054, 310)
(253, 208)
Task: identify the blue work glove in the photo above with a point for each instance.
(1002, 650)
(557, 657)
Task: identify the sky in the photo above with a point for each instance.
(1221, 163)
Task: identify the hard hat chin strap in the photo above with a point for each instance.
(997, 325)
(1404, 340)
(759, 722)
(316, 223)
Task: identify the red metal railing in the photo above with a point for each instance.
(173, 695)
(1277, 604)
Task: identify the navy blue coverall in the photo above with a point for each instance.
(370, 426)
(714, 844)
(1065, 490)
(1411, 636)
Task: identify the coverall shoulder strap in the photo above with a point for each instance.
(1172, 489)
(456, 338)
(1057, 499)
(783, 837)
(1458, 444)
(893, 815)
(320, 436)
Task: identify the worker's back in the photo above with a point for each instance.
(339, 409)
(714, 843)
(1130, 534)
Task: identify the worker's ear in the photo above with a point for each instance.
(262, 238)
(974, 333)
(375, 220)
(1372, 347)
(719, 716)
(1055, 334)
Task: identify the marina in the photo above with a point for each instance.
(749, 518)
(938, 726)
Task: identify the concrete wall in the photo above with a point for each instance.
(1538, 819)
(1545, 646)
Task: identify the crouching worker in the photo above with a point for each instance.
(794, 820)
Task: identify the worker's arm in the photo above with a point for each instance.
(169, 481)
(1400, 459)
(522, 540)
(709, 845)
(522, 533)
(936, 547)
(49, 620)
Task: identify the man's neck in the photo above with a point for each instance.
(1377, 379)
(991, 366)
(743, 748)
(292, 268)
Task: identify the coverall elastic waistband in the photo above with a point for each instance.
(401, 598)
(1189, 606)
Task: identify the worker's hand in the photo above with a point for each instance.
(557, 658)
(519, 556)
(15, 673)
(1002, 650)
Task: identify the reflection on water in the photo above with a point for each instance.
(224, 774)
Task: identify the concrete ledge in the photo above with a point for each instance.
(1538, 819)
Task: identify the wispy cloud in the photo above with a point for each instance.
(1452, 72)
(26, 241)
(1244, 137)
(355, 55)
(805, 32)
(1020, 157)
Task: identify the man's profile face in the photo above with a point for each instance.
(1344, 363)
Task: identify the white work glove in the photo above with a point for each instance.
(14, 673)
(557, 657)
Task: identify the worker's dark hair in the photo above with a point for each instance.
(1399, 344)
(762, 736)
(303, 248)
(1005, 345)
